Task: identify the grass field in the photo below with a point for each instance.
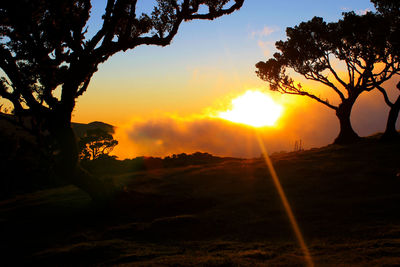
(345, 198)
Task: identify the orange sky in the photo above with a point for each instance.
(303, 119)
(160, 97)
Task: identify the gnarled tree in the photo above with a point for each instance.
(390, 11)
(96, 143)
(44, 46)
(342, 56)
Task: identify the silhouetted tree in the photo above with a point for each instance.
(44, 46)
(95, 144)
(390, 10)
(319, 51)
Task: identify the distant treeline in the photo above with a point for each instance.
(110, 165)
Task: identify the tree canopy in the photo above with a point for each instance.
(318, 51)
(96, 143)
(45, 45)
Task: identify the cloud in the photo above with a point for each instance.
(302, 118)
(266, 43)
(267, 47)
(363, 11)
(166, 136)
(315, 125)
(171, 135)
(266, 31)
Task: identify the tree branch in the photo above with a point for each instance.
(319, 78)
(383, 91)
(217, 13)
(103, 52)
(84, 87)
(350, 72)
(385, 96)
(14, 98)
(293, 90)
(90, 45)
(336, 76)
(109, 47)
(9, 66)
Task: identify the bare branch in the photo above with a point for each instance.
(324, 80)
(90, 45)
(326, 103)
(385, 96)
(83, 87)
(377, 85)
(291, 89)
(345, 85)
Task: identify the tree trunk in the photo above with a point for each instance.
(346, 134)
(67, 165)
(391, 133)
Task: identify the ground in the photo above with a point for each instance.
(345, 198)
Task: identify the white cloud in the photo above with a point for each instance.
(267, 47)
(363, 11)
(265, 31)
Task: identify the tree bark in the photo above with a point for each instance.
(346, 134)
(67, 167)
(391, 133)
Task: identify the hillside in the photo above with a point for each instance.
(24, 166)
(81, 128)
(221, 213)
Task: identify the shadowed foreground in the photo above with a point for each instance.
(346, 200)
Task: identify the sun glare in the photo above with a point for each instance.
(253, 108)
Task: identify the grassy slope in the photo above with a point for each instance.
(346, 200)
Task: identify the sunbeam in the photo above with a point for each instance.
(286, 205)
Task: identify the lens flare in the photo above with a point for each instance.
(286, 205)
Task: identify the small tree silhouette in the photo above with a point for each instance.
(96, 143)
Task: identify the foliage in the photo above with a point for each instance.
(387, 7)
(312, 47)
(44, 46)
(96, 144)
(317, 50)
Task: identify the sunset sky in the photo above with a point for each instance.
(162, 99)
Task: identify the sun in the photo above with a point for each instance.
(253, 108)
